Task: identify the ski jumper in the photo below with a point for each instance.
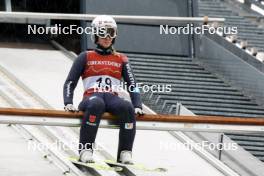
(101, 68)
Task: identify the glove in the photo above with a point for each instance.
(70, 107)
(139, 111)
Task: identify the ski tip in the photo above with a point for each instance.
(117, 168)
(96, 165)
(160, 169)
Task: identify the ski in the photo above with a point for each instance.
(96, 165)
(141, 167)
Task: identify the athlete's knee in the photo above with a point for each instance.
(127, 114)
(95, 103)
(126, 106)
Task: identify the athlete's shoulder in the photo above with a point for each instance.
(123, 57)
(82, 56)
(91, 52)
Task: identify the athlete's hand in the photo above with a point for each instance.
(70, 107)
(139, 111)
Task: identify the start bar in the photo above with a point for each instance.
(147, 122)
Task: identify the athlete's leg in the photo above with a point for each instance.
(124, 110)
(93, 107)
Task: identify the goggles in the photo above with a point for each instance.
(107, 32)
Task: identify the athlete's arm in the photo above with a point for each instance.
(129, 77)
(73, 78)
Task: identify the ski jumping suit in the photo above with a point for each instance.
(97, 68)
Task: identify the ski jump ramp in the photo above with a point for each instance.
(44, 72)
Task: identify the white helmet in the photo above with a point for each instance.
(109, 25)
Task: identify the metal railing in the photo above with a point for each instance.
(144, 20)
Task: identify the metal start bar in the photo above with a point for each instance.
(151, 20)
(146, 122)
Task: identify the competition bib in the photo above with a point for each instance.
(102, 82)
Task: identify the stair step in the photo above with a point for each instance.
(148, 56)
(249, 28)
(197, 99)
(238, 23)
(221, 105)
(218, 11)
(197, 90)
(225, 114)
(176, 78)
(256, 46)
(204, 9)
(167, 65)
(205, 95)
(155, 72)
(212, 8)
(187, 84)
(253, 148)
(250, 144)
(252, 38)
(239, 19)
(216, 8)
(247, 135)
(245, 30)
(231, 17)
(202, 3)
(231, 109)
(257, 153)
(210, 13)
(205, 87)
(210, 4)
(249, 35)
(138, 60)
(261, 158)
(165, 69)
(247, 138)
(255, 41)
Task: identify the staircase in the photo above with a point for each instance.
(247, 31)
(197, 89)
